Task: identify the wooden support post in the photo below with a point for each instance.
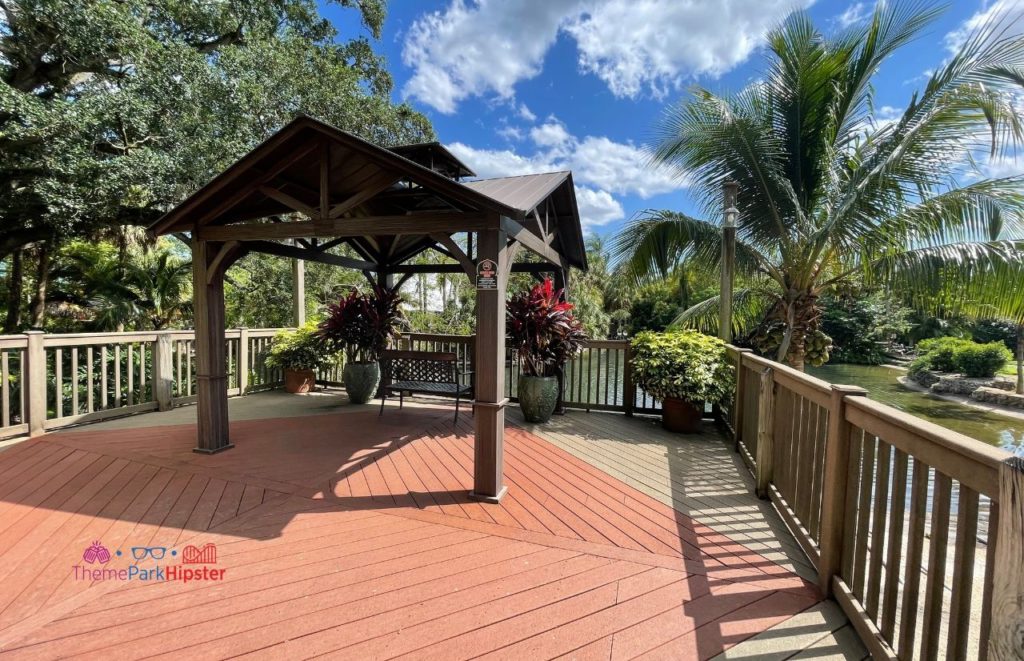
(728, 269)
(163, 371)
(834, 486)
(628, 385)
(489, 408)
(298, 292)
(35, 382)
(1006, 640)
(763, 468)
(211, 363)
(739, 396)
(243, 360)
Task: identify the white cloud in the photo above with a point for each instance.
(597, 207)
(601, 167)
(525, 113)
(853, 15)
(485, 47)
(551, 134)
(1008, 14)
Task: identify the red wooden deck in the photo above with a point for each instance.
(351, 535)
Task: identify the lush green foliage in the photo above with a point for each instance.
(982, 360)
(301, 349)
(953, 354)
(826, 191)
(543, 330)
(362, 325)
(110, 112)
(683, 364)
(860, 325)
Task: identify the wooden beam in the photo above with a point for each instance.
(225, 257)
(414, 223)
(374, 186)
(289, 201)
(526, 267)
(325, 178)
(530, 240)
(456, 252)
(294, 252)
(256, 231)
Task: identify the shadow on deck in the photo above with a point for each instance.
(347, 533)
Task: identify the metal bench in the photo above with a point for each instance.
(422, 373)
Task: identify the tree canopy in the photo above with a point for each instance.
(112, 111)
(827, 192)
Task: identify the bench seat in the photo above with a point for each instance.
(423, 373)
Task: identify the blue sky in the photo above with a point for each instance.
(517, 86)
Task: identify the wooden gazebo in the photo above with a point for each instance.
(311, 187)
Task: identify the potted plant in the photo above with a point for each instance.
(545, 335)
(683, 369)
(299, 353)
(362, 325)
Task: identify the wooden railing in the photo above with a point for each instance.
(900, 517)
(599, 379)
(53, 381)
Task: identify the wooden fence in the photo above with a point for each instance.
(52, 381)
(900, 517)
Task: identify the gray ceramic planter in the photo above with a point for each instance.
(538, 396)
(361, 380)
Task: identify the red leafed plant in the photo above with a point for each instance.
(362, 325)
(543, 330)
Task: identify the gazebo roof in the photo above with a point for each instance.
(338, 179)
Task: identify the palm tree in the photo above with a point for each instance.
(828, 193)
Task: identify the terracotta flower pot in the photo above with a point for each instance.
(679, 415)
(538, 396)
(299, 381)
(361, 380)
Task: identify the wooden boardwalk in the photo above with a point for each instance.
(349, 535)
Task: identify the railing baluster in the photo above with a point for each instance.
(937, 547)
(130, 372)
(877, 546)
(895, 544)
(142, 373)
(58, 382)
(90, 377)
(103, 376)
(963, 573)
(74, 380)
(915, 545)
(860, 548)
(117, 376)
(5, 390)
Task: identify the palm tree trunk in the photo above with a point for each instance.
(1020, 359)
(37, 307)
(16, 282)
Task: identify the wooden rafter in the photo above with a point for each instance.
(285, 250)
(289, 201)
(325, 178)
(375, 185)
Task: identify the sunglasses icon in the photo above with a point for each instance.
(155, 552)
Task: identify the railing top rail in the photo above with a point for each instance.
(788, 373)
(441, 337)
(13, 341)
(85, 339)
(960, 457)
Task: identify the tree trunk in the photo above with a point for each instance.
(1020, 359)
(37, 307)
(14, 291)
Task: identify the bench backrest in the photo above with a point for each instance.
(428, 366)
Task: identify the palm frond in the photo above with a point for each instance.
(749, 307)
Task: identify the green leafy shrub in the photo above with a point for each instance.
(981, 360)
(301, 349)
(682, 364)
(941, 352)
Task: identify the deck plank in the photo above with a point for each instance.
(354, 537)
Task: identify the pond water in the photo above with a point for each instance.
(882, 386)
